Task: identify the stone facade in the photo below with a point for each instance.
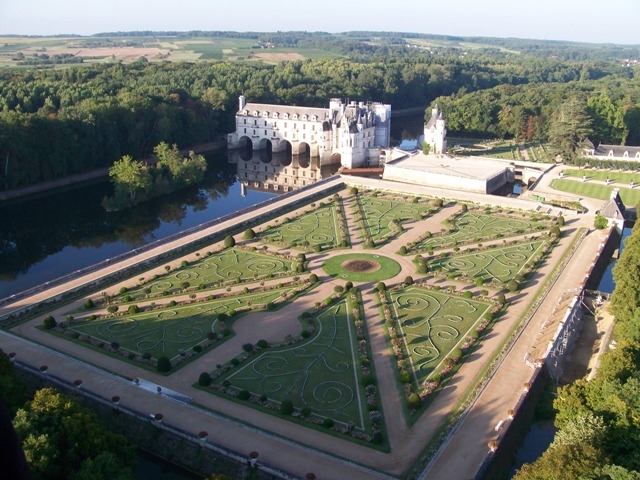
(349, 134)
(435, 132)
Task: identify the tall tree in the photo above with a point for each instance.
(569, 129)
(130, 176)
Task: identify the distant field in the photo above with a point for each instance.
(14, 50)
(596, 190)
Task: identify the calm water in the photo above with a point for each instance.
(607, 284)
(48, 237)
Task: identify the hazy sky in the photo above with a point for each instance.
(595, 21)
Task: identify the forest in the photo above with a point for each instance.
(56, 122)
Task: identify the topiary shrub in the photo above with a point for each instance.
(555, 231)
(49, 322)
(88, 303)
(353, 191)
(408, 280)
(467, 294)
(313, 278)
(456, 353)
(402, 250)
(370, 243)
(348, 286)
(513, 286)
(381, 287)
(286, 407)
(133, 309)
(502, 299)
(305, 334)
(244, 395)
(164, 364)
(560, 221)
(249, 234)
(247, 347)
(405, 377)
(414, 400)
(204, 380)
(368, 379)
(338, 289)
(112, 308)
(229, 241)
(328, 423)
(262, 343)
(197, 349)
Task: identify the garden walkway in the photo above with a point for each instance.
(292, 447)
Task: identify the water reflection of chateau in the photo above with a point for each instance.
(278, 172)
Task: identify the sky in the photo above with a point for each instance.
(592, 21)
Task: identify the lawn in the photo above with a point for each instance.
(499, 264)
(379, 267)
(231, 265)
(169, 330)
(614, 176)
(477, 227)
(320, 227)
(321, 374)
(380, 214)
(431, 324)
(595, 190)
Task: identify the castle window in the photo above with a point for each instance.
(255, 122)
(245, 121)
(265, 132)
(625, 155)
(304, 126)
(610, 153)
(265, 123)
(245, 130)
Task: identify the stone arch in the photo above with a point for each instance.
(246, 148)
(265, 144)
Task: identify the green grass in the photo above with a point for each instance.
(229, 266)
(431, 324)
(321, 374)
(380, 213)
(387, 268)
(318, 227)
(630, 197)
(171, 329)
(498, 264)
(614, 177)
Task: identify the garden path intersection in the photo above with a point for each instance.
(290, 446)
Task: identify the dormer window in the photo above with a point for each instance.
(304, 118)
(255, 113)
(275, 114)
(286, 115)
(295, 116)
(265, 114)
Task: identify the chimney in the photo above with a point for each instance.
(242, 102)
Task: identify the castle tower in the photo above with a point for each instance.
(435, 132)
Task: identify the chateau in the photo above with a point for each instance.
(351, 134)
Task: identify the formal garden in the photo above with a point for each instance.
(324, 378)
(429, 331)
(177, 330)
(381, 215)
(629, 196)
(322, 227)
(495, 266)
(477, 226)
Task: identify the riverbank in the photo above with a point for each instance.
(78, 179)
